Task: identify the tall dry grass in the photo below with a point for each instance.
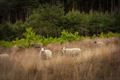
(94, 63)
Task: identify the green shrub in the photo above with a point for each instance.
(6, 32)
(116, 24)
(30, 35)
(108, 35)
(46, 20)
(68, 36)
(65, 36)
(73, 17)
(18, 29)
(111, 34)
(6, 44)
(50, 20)
(9, 31)
(74, 22)
(99, 22)
(88, 23)
(102, 35)
(47, 41)
(21, 43)
(29, 38)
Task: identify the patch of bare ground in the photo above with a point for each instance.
(95, 62)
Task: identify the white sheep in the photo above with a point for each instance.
(99, 43)
(71, 51)
(45, 53)
(4, 55)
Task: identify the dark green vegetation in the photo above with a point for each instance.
(57, 20)
(30, 38)
(13, 10)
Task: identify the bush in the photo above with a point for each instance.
(10, 31)
(75, 21)
(68, 36)
(29, 38)
(111, 34)
(18, 29)
(88, 23)
(46, 19)
(108, 35)
(46, 41)
(99, 22)
(6, 32)
(72, 21)
(116, 24)
(6, 43)
(50, 20)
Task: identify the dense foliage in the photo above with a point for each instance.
(46, 20)
(39, 21)
(50, 21)
(30, 38)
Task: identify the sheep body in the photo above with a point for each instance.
(99, 43)
(46, 54)
(71, 51)
(4, 56)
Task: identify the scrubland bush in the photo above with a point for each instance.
(29, 38)
(51, 20)
(99, 22)
(10, 31)
(72, 21)
(6, 43)
(89, 23)
(116, 23)
(6, 31)
(108, 35)
(45, 20)
(68, 36)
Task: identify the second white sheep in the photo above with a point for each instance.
(71, 51)
(4, 55)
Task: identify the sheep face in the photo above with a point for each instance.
(42, 49)
(45, 54)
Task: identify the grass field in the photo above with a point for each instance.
(95, 62)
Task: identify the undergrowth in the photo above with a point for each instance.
(30, 38)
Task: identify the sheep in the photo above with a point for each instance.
(4, 55)
(99, 43)
(71, 51)
(46, 53)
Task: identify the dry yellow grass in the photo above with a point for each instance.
(94, 63)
